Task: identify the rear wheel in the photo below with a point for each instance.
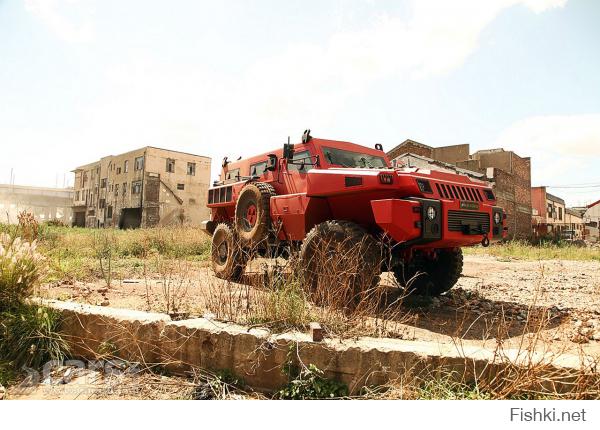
(252, 213)
(431, 276)
(340, 263)
(228, 259)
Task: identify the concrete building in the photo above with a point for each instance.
(549, 213)
(143, 188)
(574, 223)
(591, 220)
(509, 175)
(45, 204)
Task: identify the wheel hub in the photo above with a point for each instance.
(251, 215)
(222, 251)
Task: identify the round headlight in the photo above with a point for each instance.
(431, 213)
(497, 218)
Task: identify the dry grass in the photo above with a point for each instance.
(545, 251)
(277, 297)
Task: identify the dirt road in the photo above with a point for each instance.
(494, 298)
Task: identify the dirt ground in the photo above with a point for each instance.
(493, 299)
(73, 383)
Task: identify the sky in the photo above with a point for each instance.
(82, 79)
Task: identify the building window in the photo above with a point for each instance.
(118, 170)
(103, 183)
(560, 214)
(116, 190)
(126, 166)
(191, 169)
(181, 186)
(76, 196)
(124, 188)
(109, 212)
(549, 209)
(139, 163)
(136, 187)
(170, 165)
(102, 203)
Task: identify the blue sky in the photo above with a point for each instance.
(83, 79)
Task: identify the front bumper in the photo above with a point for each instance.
(457, 223)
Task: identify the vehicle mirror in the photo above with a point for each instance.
(288, 151)
(271, 163)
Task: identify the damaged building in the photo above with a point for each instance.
(147, 187)
(45, 204)
(508, 173)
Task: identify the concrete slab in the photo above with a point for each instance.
(258, 356)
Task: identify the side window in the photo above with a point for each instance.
(233, 175)
(299, 157)
(258, 169)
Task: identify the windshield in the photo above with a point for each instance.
(345, 158)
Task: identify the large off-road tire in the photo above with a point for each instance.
(228, 259)
(340, 264)
(252, 213)
(432, 277)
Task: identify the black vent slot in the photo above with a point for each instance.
(353, 181)
(469, 222)
(489, 194)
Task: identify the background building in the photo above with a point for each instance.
(143, 188)
(574, 223)
(591, 220)
(509, 174)
(44, 203)
(551, 217)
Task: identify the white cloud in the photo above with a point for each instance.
(188, 107)
(70, 20)
(565, 151)
(570, 135)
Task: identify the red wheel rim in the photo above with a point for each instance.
(251, 215)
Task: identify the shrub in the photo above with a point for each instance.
(310, 383)
(29, 336)
(28, 225)
(20, 270)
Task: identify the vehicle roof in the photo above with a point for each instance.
(313, 143)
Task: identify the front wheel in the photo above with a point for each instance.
(340, 264)
(431, 276)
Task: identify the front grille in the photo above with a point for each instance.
(459, 192)
(469, 222)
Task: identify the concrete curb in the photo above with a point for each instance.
(258, 356)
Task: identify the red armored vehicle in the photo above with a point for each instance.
(321, 195)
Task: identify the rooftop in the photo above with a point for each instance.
(88, 165)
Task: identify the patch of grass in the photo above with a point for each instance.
(445, 388)
(310, 383)
(283, 307)
(545, 251)
(29, 336)
(7, 373)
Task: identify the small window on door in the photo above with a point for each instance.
(181, 187)
(300, 157)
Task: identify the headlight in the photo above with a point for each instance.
(497, 218)
(431, 213)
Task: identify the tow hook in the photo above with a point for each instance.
(485, 242)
